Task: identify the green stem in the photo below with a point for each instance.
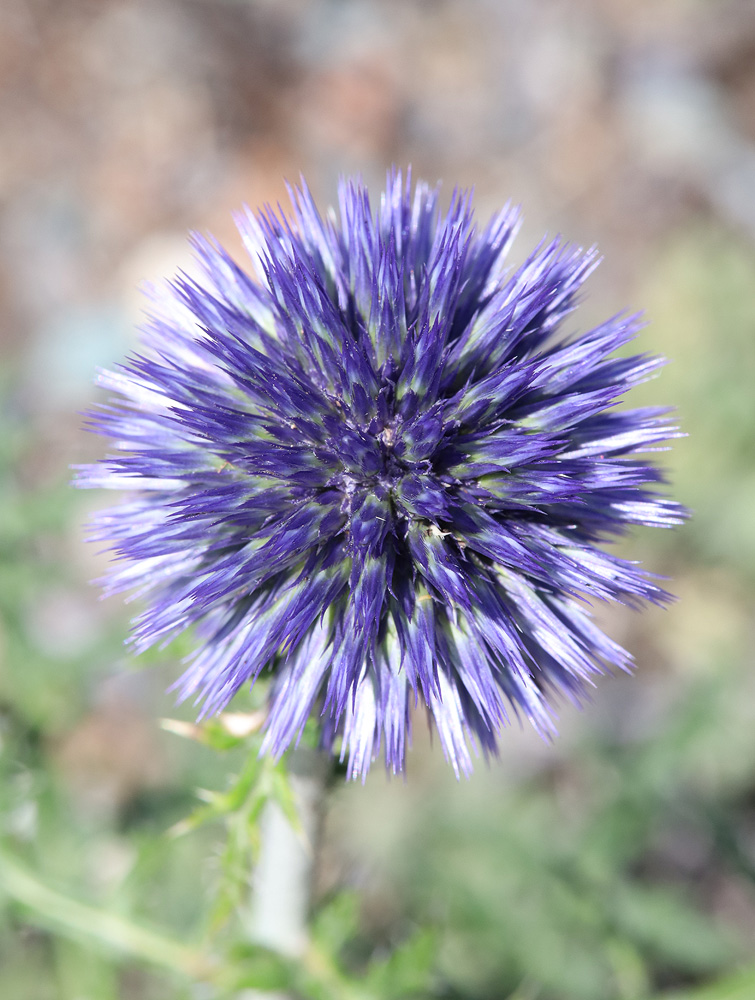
(73, 919)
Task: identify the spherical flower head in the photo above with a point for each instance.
(374, 465)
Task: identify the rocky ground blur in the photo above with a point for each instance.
(631, 125)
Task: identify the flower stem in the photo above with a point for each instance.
(282, 879)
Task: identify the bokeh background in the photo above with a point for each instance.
(615, 864)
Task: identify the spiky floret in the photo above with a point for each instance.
(376, 467)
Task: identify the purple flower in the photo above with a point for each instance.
(377, 468)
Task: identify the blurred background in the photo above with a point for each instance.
(616, 864)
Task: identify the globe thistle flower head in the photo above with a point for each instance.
(375, 464)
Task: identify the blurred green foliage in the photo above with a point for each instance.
(618, 864)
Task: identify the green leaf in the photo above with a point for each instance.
(259, 968)
(408, 969)
(336, 922)
(739, 986)
(670, 928)
(282, 792)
